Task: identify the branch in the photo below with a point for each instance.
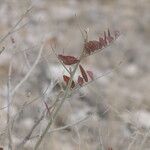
(20, 146)
(66, 126)
(66, 92)
(8, 110)
(29, 73)
(14, 27)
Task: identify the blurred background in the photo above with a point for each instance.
(116, 106)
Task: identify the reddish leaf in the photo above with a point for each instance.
(110, 148)
(84, 75)
(108, 32)
(109, 37)
(90, 73)
(68, 60)
(105, 38)
(66, 79)
(102, 42)
(80, 80)
(92, 46)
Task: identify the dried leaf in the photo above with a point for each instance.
(80, 80)
(109, 37)
(105, 38)
(66, 79)
(68, 60)
(84, 75)
(102, 42)
(90, 73)
(92, 46)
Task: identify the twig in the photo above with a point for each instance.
(26, 60)
(29, 72)
(66, 126)
(14, 27)
(60, 60)
(144, 139)
(53, 117)
(100, 139)
(133, 141)
(32, 101)
(3, 48)
(28, 137)
(8, 110)
(20, 146)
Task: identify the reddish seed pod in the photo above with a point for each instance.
(68, 60)
(80, 80)
(66, 79)
(83, 73)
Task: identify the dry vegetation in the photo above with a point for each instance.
(111, 112)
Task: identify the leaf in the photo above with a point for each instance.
(83, 73)
(66, 79)
(90, 73)
(68, 60)
(92, 46)
(105, 38)
(102, 42)
(80, 80)
(109, 37)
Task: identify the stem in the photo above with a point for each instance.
(60, 105)
(8, 111)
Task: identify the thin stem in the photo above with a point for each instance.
(53, 117)
(66, 126)
(20, 146)
(8, 110)
(14, 27)
(30, 71)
